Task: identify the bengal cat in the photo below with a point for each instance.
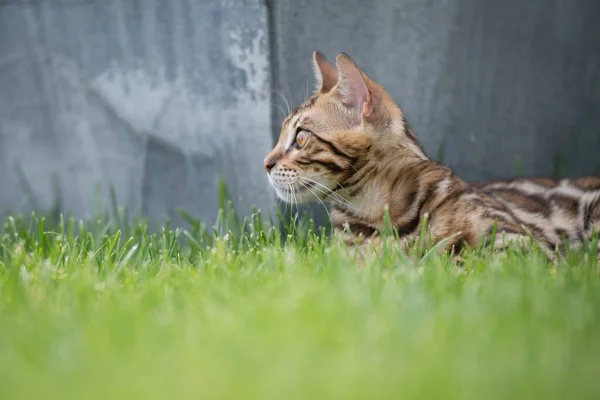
(349, 143)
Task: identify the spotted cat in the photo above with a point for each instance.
(350, 144)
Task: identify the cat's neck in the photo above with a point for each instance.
(396, 175)
(402, 185)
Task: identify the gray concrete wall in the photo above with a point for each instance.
(489, 81)
(495, 87)
(161, 97)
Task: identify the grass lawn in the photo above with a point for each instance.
(91, 311)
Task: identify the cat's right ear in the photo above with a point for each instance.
(325, 73)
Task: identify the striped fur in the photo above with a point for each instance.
(362, 157)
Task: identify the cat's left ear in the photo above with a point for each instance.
(325, 73)
(352, 87)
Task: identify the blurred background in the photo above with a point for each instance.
(159, 99)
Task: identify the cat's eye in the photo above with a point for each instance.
(301, 138)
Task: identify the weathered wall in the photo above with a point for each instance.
(495, 87)
(156, 97)
(487, 80)
(160, 97)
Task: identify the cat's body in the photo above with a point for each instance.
(349, 143)
(555, 212)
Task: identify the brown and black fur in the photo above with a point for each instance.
(363, 158)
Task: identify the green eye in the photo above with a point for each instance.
(301, 138)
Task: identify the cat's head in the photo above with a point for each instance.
(348, 124)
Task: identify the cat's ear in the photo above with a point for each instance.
(325, 73)
(352, 89)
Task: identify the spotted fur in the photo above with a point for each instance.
(362, 157)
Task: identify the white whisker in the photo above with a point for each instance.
(295, 200)
(321, 201)
(291, 96)
(354, 168)
(306, 97)
(334, 196)
(287, 103)
(286, 198)
(280, 109)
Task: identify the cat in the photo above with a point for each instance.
(350, 144)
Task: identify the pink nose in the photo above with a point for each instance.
(269, 164)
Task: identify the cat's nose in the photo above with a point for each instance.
(269, 164)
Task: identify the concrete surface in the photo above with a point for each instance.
(160, 98)
(491, 88)
(486, 81)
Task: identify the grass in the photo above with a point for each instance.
(105, 309)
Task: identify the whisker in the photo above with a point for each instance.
(287, 103)
(279, 108)
(306, 97)
(334, 196)
(354, 168)
(291, 195)
(286, 202)
(361, 175)
(328, 192)
(295, 201)
(321, 201)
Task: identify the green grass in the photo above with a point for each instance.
(107, 310)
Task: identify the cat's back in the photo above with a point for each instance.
(524, 191)
(560, 208)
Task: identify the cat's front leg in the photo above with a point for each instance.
(367, 249)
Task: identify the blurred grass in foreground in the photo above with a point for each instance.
(105, 309)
